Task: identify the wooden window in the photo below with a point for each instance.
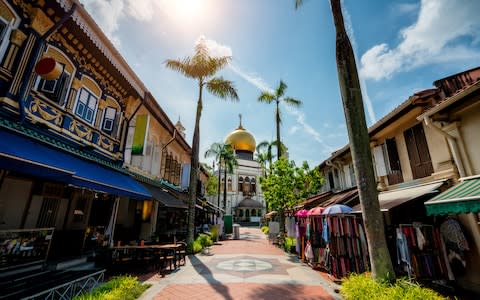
(253, 186)
(418, 153)
(240, 184)
(55, 90)
(229, 184)
(109, 117)
(394, 172)
(86, 105)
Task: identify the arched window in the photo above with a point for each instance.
(229, 184)
(246, 186)
(240, 184)
(240, 213)
(254, 212)
(253, 186)
(247, 213)
(222, 184)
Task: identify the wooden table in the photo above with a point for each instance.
(167, 253)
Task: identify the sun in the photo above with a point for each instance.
(188, 9)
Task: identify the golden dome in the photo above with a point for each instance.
(240, 139)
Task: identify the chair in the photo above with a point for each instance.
(166, 258)
(181, 253)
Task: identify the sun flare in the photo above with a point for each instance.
(187, 9)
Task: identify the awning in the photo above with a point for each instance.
(164, 197)
(394, 198)
(214, 207)
(24, 155)
(459, 199)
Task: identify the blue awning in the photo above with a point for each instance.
(24, 155)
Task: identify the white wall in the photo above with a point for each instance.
(14, 195)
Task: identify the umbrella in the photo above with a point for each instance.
(316, 211)
(337, 209)
(301, 213)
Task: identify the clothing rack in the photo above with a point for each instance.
(420, 249)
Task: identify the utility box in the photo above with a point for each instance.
(236, 231)
(227, 224)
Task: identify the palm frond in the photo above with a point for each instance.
(266, 97)
(298, 3)
(262, 146)
(222, 88)
(292, 102)
(214, 150)
(280, 91)
(183, 66)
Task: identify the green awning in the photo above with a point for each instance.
(462, 198)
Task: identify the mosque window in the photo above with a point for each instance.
(56, 90)
(246, 186)
(222, 183)
(253, 187)
(240, 184)
(229, 184)
(86, 105)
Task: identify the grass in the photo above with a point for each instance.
(364, 287)
(118, 288)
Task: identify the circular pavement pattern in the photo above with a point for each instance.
(244, 265)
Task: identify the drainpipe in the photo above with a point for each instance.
(34, 56)
(452, 141)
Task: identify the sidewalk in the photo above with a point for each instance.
(249, 268)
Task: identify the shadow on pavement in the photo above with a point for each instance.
(205, 272)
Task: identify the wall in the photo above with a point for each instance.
(14, 195)
(469, 129)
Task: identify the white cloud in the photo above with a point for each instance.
(252, 78)
(405, 8)
(293, 129)
(105, 13)
(434, 38)
(216, 49)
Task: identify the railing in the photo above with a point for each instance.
(73, 288)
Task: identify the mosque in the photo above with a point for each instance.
(245, 200)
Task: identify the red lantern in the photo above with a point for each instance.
(48, 68)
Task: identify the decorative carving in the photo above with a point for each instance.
(40, 22)
(105, 143)
(76, 84)
(80, 130)
(17, 37)
(46, 111)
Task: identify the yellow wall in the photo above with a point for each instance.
(470, 134)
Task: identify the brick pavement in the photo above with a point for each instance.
(249, 268)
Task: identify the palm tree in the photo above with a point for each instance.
(201, 67)
(265, 147)
(360, 146)
(278, 96)
(224, 154)
(262, 158)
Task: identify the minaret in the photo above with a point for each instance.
(180, 128)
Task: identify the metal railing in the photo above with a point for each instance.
(73, 288)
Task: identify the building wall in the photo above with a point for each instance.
(15, 193)
(469, 131)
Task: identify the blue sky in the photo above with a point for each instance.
(401, 47)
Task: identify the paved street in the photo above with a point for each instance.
(249, 268)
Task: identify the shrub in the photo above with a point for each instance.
(214, 232)
(364, 287)
(194, 247)
(204, 240)
(265, 229)
(289, 243)
(121, 287)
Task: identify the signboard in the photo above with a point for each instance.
(140, 135)
(24, 247)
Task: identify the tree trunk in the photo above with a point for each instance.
(360, 148)
(219, 182)
(277, 120)
(225, 187)
(194, 169)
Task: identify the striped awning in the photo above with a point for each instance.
(459, 199)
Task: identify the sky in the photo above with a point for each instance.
(401, 47)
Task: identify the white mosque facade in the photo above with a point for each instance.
(245, 200)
